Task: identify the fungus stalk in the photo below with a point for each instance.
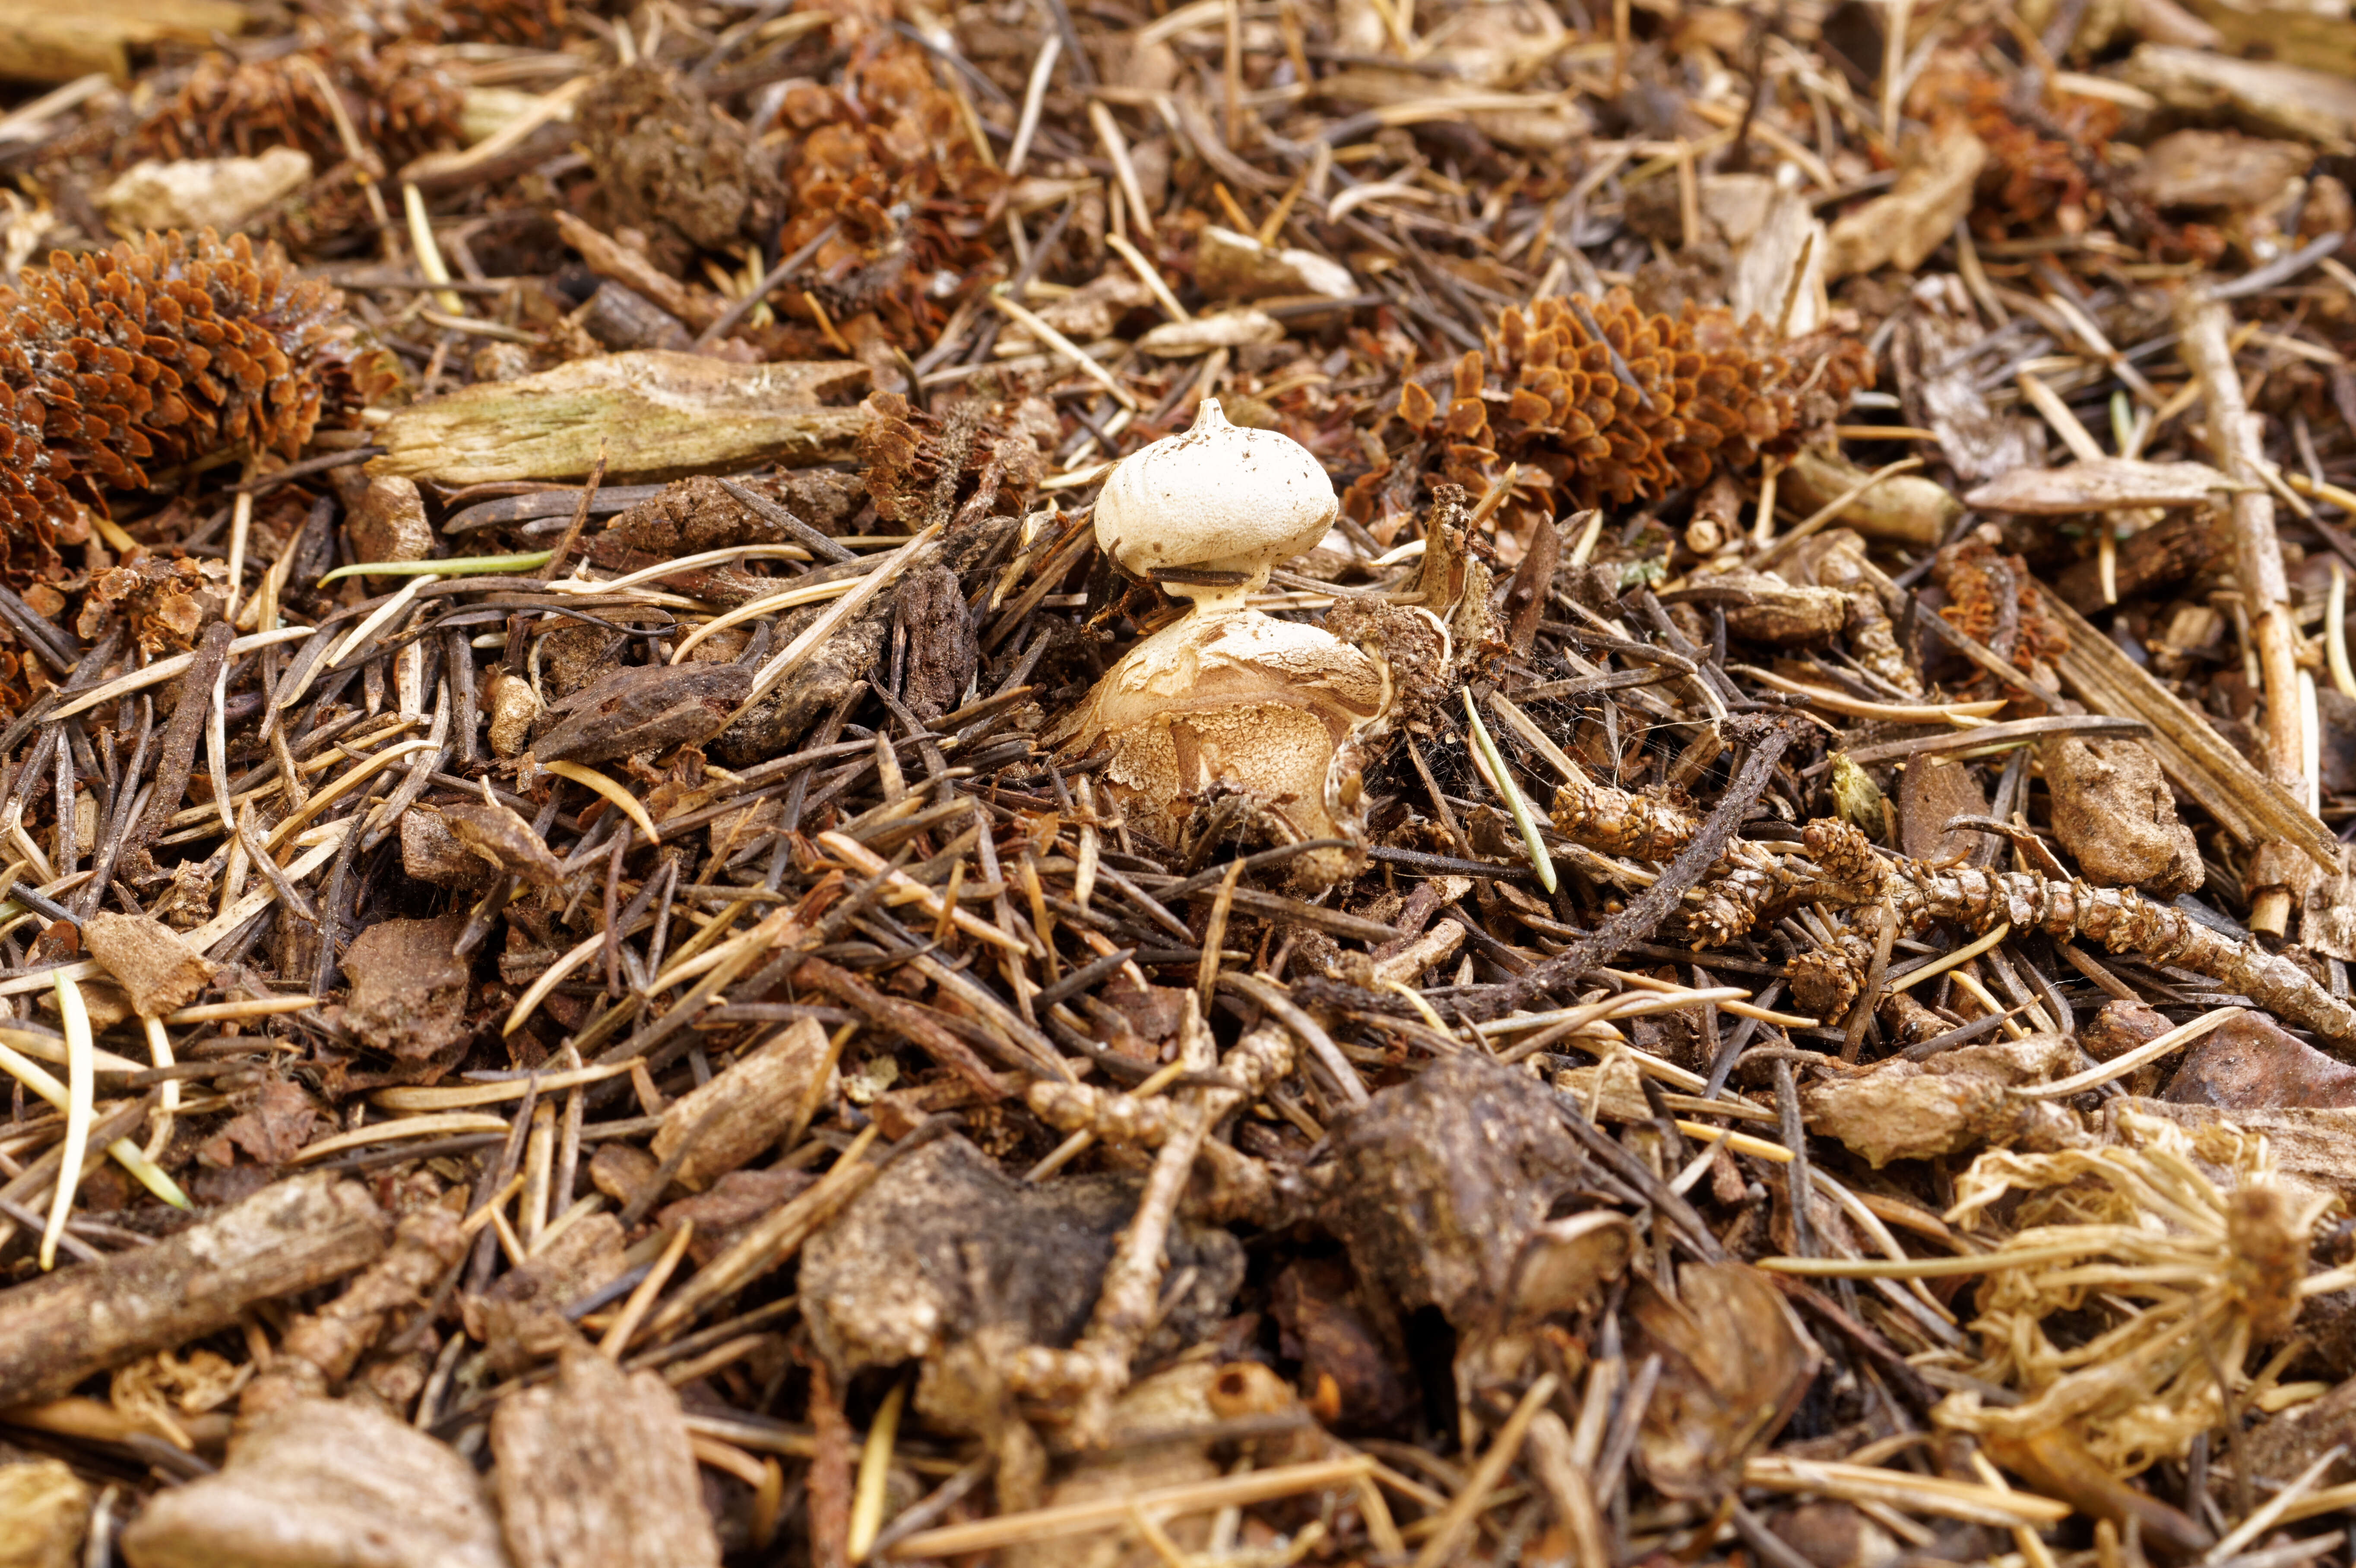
(1228, 700)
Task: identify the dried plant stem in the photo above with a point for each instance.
(2119, 918)
(1072, 1519)
(2277, 873)
(292, 1236)
(1095, 1371)
(79, 1113)
(320, 1350)
(1474, 1497)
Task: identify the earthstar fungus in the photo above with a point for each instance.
(1227, 699)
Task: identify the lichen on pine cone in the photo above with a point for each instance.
(161, 349)
(1648, 405)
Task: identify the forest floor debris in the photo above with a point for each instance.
(1330, 783)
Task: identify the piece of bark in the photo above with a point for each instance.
(620, 317)
(2217, 168)
(1931, 354)
(1932, 794)
(430, 853)
(388, 524)
(177, 757)
(2314, 1146)
(653, 413)
(595, 1472)
(513, 710)
(942, 653)
(2251, 1063)
(44, 1514)
(746, 1106)
(324, 1483)
(642, 708)
(1904, 508)
(159, 970)
(498, 836)
(621, 1170)
(2099, 484)
(2171, 549)
(320, 1349)
(293, 1235)
(1917, 214)
(2115, 813)
(44, 43)
(1761, 607)
(2119, 1026)
(2261, 95)
(409, 990)
(699, 513)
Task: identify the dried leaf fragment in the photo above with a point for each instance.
(1224, 329)
(2100, 483)
(1917, 214)
(409, 991)
(1955, 1101)
(47, 1509)
(494, 833)
(322, 1481)
(200, 193)
(596, 1470)
(2114, 811)
(153, 963)
(1734, 1365)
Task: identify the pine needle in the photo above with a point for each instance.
(79, 1079)
(623, 801)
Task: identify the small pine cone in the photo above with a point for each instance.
(533, 24)
(1825, 980)
(1725, 907)
(1614, 822)
(32, 501)
(1618, 405)
(402, 99)
(164, 349)
(1845, 854)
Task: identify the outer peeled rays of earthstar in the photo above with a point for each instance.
(1229, 698)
